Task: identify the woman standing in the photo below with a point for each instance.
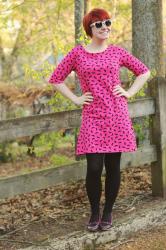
(106, 129)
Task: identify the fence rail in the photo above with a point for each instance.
(154, 154)
(39, 179)
(33, 125)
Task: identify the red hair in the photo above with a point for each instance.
(93, 16)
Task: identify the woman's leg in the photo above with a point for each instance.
(93, 182)
(112, 181)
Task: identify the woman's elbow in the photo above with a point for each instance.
(145, 75)
(148, 73)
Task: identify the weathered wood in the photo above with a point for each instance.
(3, 108)
(147, 33)
(141, 107)
(32, 125)
(143, 155)
(52, 176)
(157, 88)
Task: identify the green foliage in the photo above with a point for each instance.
(50, 141)
(57, 160)
(83, 38)
(140, 126)
(45, 142)
(40, 31)
(60, 103)
(46, 71)
(124, 8)
(49, 27)
(11, 151)
(4, 156)
(142, 91)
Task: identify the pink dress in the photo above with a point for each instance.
(106, 125)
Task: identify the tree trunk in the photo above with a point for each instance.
(148, 46)
(86, 6)
(79, 11)
(147, 33)
(6, 63)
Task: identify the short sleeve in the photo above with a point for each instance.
(64, 68)
(132, 63)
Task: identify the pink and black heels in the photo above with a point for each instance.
(106, 224)
(94, 223)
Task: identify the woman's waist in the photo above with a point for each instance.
(105, 103)
(105, 108)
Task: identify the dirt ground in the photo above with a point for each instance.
(33, 218)
(154, 239)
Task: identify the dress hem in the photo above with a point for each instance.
(101, 151)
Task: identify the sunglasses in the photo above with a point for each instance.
(99, 24)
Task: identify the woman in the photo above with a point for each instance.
(106, 129)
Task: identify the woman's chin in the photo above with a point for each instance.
(103, 38)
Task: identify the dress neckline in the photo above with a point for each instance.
(88, 52)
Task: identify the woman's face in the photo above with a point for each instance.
(101, 29)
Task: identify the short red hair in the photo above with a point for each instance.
(93, 16)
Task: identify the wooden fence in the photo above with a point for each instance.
(154, 154)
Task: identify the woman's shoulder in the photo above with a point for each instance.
(73, 52)
(120, 49)
(76, 48)
(117, 47)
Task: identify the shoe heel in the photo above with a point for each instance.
(106, 225)
(93, 226)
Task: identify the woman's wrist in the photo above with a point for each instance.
(129, 94)
(74, 99)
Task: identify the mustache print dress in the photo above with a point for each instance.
(106, 125)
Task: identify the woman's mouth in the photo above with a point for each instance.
(104, 32)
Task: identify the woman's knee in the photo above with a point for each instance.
(94, 164)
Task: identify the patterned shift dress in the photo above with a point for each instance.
(106, 125)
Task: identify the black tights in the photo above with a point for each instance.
(95, 162)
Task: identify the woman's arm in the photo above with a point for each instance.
(60, 73)
(138, 83)
(65, 91)
(78, 100)
(140, 70)
(135, 87)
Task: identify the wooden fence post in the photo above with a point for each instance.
(157, 88)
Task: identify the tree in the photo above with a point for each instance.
(40, 31)
(147, 33)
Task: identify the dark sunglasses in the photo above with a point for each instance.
(99, 24)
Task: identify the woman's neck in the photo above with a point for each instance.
(97, 45)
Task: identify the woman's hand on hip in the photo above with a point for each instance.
(119, 91)
(86, 98)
